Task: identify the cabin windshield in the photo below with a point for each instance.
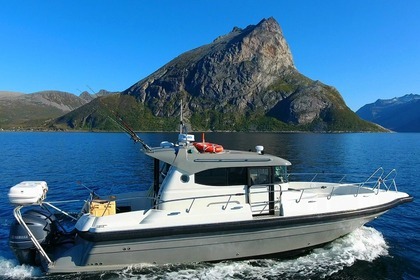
(280, 174)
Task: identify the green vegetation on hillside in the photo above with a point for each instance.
(99, 114)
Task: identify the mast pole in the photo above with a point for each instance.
(181, 123)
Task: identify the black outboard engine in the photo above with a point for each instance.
(43, 226)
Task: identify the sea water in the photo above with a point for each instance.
(386, 248)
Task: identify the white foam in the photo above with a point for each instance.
(11, 269)
(365, 244)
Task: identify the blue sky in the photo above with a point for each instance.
(366, 49)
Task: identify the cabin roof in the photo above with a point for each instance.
(188, 159)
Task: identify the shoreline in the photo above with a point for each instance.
(192, 132)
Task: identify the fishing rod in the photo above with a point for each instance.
(127, 129)
(123, 125)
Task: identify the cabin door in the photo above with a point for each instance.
(261, 190)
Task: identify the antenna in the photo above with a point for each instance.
(184, 137)
(181, 122)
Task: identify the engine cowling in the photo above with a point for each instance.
(43, 226)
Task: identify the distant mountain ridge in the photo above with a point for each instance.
(245, 80)
(400, 114)
(19, 110)
(90, 96)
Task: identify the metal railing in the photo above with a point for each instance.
(265, 203)
(195, 198)
(374, 183)
(375, 180)
(390, 182)
(227, 199)
(329, 176)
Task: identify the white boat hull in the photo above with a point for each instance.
(238, 243)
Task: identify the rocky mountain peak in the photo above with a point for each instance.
(266, 42)
(243, 80)
(231, 69)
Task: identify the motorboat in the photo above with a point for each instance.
(204, 205)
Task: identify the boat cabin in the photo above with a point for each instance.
(209, 180)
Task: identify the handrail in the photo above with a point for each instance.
(213, 196)
(300, 197)
(160, 202)
(341, 180)
(263, 203)
(313, 178)
(390, 177)
(315, 174)
(388, 181)
(189, 208)
(227, 203)
(370, 177)
(331, 193)
(385, 179)
(61, 211)
(200, 197)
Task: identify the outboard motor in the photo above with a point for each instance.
(43, 226)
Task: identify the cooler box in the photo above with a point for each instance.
(28, 192)
(101, 208)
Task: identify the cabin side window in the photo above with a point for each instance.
(222, 176)
(260, 175)
(264, 175)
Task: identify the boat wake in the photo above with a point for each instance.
(9, 269)
(365, 244)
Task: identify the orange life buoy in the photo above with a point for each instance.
(206, 147)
